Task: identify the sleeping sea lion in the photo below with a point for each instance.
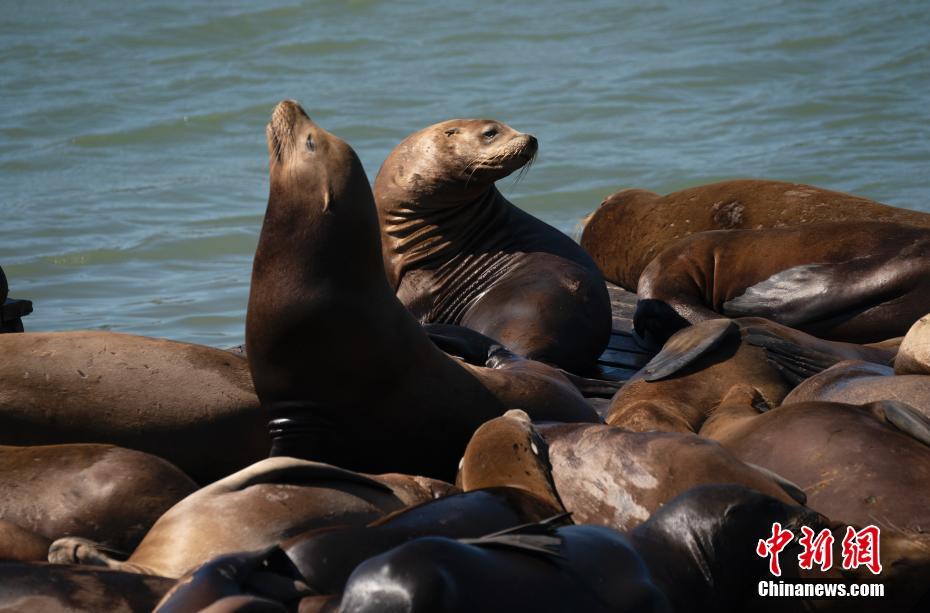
(633, 226)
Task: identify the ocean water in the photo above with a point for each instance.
(133, 173)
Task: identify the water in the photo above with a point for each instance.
(132, 155)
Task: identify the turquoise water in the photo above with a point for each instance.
(132, 155)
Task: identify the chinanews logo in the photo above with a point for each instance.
(859, 548)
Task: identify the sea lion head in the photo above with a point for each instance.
(454, 160)
(319, 202)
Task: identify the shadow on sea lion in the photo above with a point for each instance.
(99, 492)
(190, 404)
(633, 226)
(381, 397)
(321, 560)
(862, 464)
(258, 506)
(697, 366)
(859, 282)
(57, 588)
(601, 474)
(456, 251)
(857, 382)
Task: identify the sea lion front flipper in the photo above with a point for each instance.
(903, 417)
(459, 341)
(792, 489)
(593, 388)
(812, 292)
(686, 346)
(540, 537)
(795, 362)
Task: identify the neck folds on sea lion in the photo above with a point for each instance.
(436, 194)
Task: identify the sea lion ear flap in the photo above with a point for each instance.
(327, 198)
(452, 131)
(686, 346)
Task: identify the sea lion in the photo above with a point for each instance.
(57, 588)
(697, 366)
(326, 557)
(381, 397)
(632, 226)
(190, 404)
(22, 545)
(859, 282)
(913, 357)
(256, 507)
(456, 251)
(532, 568)
(857, 382)
(99, 492)
(862, 464)
(698, 549)
(601, 474)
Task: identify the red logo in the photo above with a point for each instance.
(860, 548)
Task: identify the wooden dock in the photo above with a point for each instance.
(623, 356)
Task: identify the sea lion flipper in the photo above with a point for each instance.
(471, 346)
(905, 418)
(540, 537)
(794, 361)
(791, 488)
(686, 346)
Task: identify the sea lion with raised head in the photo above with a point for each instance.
(456, 251)
(381, 397)
(254, 508)
(190, 404)
(862, 464)
(860, 282)
(98, 492)
(632, 226)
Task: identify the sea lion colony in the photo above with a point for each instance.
(406, 430)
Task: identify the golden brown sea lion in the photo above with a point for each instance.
(857, 463)
(254, 508)
(859, 282)
(190, 404)
(695, 369)
(633, 226)
(380, 397)
(456, 251)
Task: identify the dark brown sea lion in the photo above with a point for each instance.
(857, 463)
(326, 558)
(856, 382)
(98, 492)
(190, 404)
(456, 251)
(860, 282)
(697, 366)
(381, 397)
(259, 506)
(534, 568)
(633, 226)
(602, 475)
(699, 551)
(57, 588)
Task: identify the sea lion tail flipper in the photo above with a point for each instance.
(686, 346)
(903, 417)
(77, 550)
(791, 488)
(795, 362)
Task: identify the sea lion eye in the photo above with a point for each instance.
(489, 133)
(310, 145)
